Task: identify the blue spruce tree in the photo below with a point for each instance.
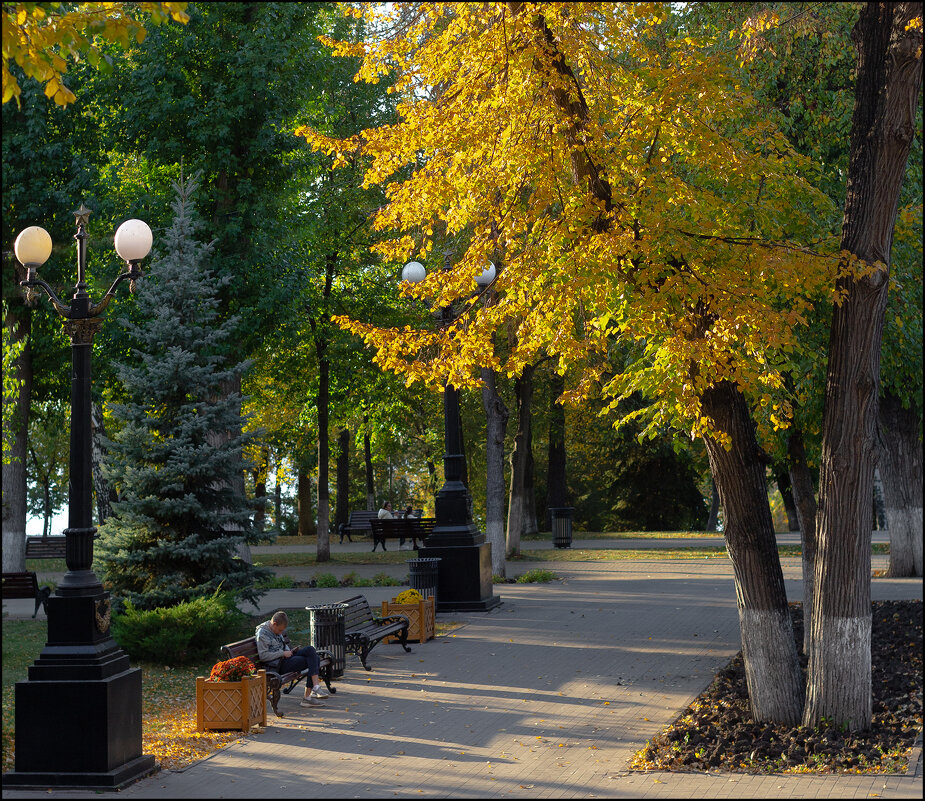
(177, 525)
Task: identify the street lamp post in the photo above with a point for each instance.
(81, 688)
(464, 577)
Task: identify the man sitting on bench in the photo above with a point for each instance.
(273, 650)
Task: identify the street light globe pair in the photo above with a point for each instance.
(133, 242)
(414, 272)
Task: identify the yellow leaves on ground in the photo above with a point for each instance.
(172, 739)
(36, 37)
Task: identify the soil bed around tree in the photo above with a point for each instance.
(716, 732)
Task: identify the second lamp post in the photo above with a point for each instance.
(464, 577)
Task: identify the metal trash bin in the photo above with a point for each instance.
(562, 526)
(327, 632)
(423, 576)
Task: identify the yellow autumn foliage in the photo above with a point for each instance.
(627, 188)
(40, 37)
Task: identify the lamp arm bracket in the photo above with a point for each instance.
(62, 308)
(97, 309)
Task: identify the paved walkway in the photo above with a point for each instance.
(548, 695)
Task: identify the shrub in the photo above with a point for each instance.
(326, 580)
(187, 632)
(384, 580)
(536, 575)
(351, 580)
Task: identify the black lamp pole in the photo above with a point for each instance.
(464, 576)
(82, 680)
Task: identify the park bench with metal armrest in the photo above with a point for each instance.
(359, 523)
(363, 630)
(279, 682)
(404, 528)
(26, 585)
(45, 547)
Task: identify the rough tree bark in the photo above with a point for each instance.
(901, 471)
(516, 515)
(889, 78)
(556, 487)
(368, 462)
(304, 501)
(772, 667)
(14, 473)
(496, 416)
(342, 508)
(784, 486)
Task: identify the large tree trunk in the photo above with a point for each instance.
(889, 77)
(804, 498)
(304, 502)
(782, 477)
(368, 462)
(496, 416)
(772, 667)
(324, 455)
(342, 509)
(556, 487)
(14, 472)
(516, 514)
(260, 489)
(901, 471)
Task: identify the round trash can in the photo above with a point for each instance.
(423, 576)
(562, 526)
(327, 621)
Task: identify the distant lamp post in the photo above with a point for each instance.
(464, 576)
(82, 681)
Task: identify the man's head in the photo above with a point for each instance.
(279, 622)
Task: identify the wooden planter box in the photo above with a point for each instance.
(422, 625)
(231, 704)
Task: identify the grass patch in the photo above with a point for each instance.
(618, 554)
(309, 559)
(537, 575)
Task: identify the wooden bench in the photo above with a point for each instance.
(45, 547)
(359, 523)
(26, 585)
(279, 682)
(363, 630)
(402, 528)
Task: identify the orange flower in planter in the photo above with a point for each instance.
(232, 669)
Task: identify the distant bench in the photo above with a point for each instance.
(359, 523)
(401, 528)
(45, 547)
(26, 585)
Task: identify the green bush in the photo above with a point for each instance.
(384, 580)
(536, 575)
(188, 632)
(326, 580)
